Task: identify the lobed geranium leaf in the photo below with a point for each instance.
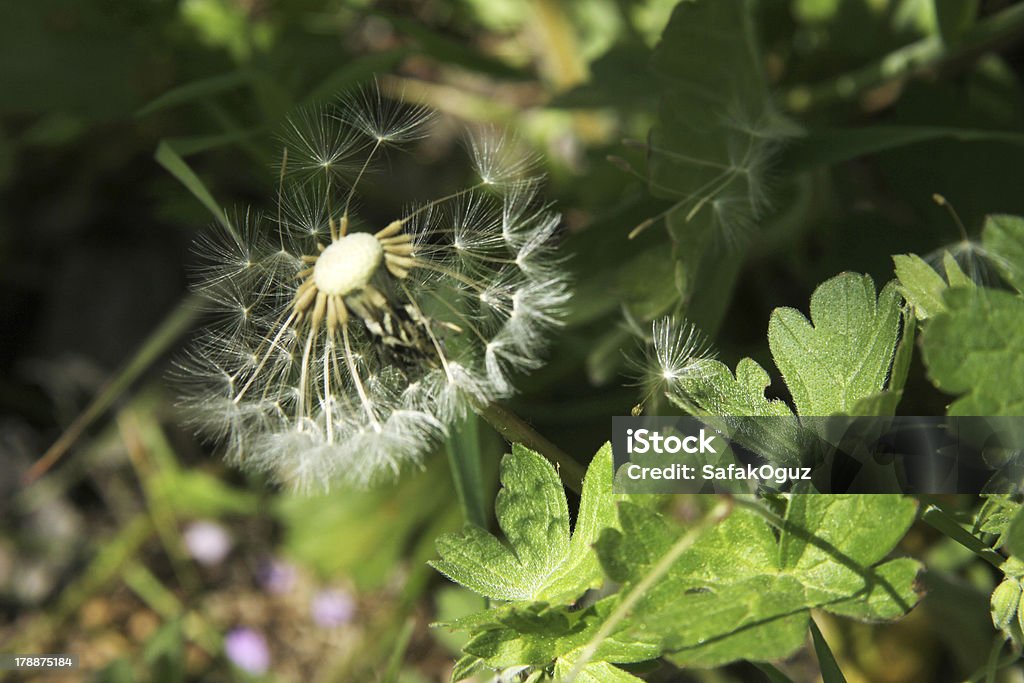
(593, 672)
(541, 561)
(920, 285)
(1003, 238)
(843, 353)
(973, 350)
(717, 603)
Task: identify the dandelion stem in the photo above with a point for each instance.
(516, 430)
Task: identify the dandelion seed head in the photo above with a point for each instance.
(342, 350)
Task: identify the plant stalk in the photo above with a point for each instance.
(516, 430)
(906, 61)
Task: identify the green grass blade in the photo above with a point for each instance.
(196, 90)
(830, 671)
(167, 157)
(463, 449)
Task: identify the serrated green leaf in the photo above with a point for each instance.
(973, 350)
(920, 285)
(466, 666)
(537, 636)
(581, 570)
(891, 592)
(541, 562)
(738, 593)
(717, 392)
(626, 556)
(1003, 238)
(864, 528)
(844, 352)
(594, 672)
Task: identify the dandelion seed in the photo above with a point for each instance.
(342, 351)
(677, 353)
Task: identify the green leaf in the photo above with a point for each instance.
(541, 562)
(1015, 535)
(920, 285)
(844, 352)
(465, 667)
(1003, 238)
(864, 527)
(594, 672)
(537, 636)
(716, 391)
(850, 532)
(167, 157)
(197, 90)
(973, 350)
(739, 593)
(891, 592)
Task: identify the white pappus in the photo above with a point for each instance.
(342, 351)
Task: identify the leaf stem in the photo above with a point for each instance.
(906, 61)
(516, 430)
(939, 519)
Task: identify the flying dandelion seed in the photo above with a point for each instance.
(676, 353)
(341, 355)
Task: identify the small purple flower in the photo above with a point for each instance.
(278, 576)
(247, 649)
(208, 542)
(332, 608)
